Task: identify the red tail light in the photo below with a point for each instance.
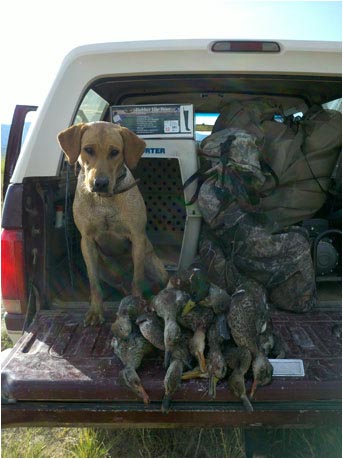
(13, 283)
(234, 46)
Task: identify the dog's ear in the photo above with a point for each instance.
(133, 147)
(70, 141)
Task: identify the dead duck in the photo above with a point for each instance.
(271, 343)
(238, 361)
(262, 370)
(172, 381)
(193, 281)
(131, 352)
(266, 340)
(247, 319)
(216, 365)
(218, 299)
(215, 362)
(168, 303)
(180, 359)
(198, 320)
(152, 328)
(129, 309)
(129, 377)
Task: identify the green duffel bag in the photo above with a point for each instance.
(303, 157)
(301, 154)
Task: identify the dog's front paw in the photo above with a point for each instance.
(94, 317)
(136, 291)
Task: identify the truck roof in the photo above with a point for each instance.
(41, 155)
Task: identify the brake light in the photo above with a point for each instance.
(233, 46)
(13, 283)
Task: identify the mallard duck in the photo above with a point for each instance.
(271, 343)
(152, 328)
(262, 370)
(216, 365)
(131, 352)
(238, 360)
(215, 362)
(247, 318)
(168, 303)
(218, 299)
(180, 359)
(129, 377)
(129, 309)
(266, 340)
(192, 281)
(172, 381)
(198, 320)
(248, 315)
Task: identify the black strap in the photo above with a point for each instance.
(267, 168)
(127, 188)
(311, 112)
(312, 173)
(200, 175)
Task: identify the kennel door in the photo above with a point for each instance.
(173, 228)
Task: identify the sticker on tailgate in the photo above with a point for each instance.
(287, 367)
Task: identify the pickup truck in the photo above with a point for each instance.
(60, 373)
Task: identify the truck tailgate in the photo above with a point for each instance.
(59, 360)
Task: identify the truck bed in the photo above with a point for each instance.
(61, 372)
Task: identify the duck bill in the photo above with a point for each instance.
(246, 403)
(187, 307)
(253, 388)
(165, 407)
(201, 361)
(212, 390)
(167, 359)
(143, 395)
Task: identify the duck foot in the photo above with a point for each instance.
(212, 387)
(195, 373)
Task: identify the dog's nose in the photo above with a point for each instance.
(100, 184)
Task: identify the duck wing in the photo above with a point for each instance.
(152, 328)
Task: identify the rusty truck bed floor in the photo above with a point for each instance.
(59, 359)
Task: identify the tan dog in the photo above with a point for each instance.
(108, 208)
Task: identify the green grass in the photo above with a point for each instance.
(101, 443)
(317, 442)
(5, 341)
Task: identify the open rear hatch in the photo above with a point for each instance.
(60, 370)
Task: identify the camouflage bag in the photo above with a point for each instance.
(248, 115)
(220, 270)
(234, 181)
(280, 262)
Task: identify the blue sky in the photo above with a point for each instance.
(36, 35)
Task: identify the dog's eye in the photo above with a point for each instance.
(113, 153)
(89, 151)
